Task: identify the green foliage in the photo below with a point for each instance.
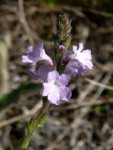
(100, 109)
(110, 93)
(50, 3)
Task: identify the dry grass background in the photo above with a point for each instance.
(86, 122)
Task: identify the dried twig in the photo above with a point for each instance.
(86, 104)
(101, 89)
(97, 94)
(99, 84)
(88, 89)
(23, 20)
(21, 117)
(36, 108)
(5, 44)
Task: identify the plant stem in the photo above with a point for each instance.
(35, 123)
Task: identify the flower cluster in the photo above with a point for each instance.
(56, 75)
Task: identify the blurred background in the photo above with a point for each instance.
(86, 122)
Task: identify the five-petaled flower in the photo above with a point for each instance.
(56, 87)
(35, 54)
(82, 56)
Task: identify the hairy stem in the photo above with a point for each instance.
(35, 123)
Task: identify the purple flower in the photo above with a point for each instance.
(55, 87)
(73, 67)
(42, 72)
(82, 56)
(35, 54)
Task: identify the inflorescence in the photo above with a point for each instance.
(56, 72)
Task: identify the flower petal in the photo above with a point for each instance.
(65, 93)
(54, 95)
(35, 54)
(32, 74)
(88, 64)
(47, 87)
(80, 47)
(30, 49)
(86, 54)
(64, 79)
(52, 76)
(52, 91)
(74, 48)
(26, 59)
(66, 55)
(74, 67)
(43, 71)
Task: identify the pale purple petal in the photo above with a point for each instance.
(88, 64)
(43, 71)
(71, 71)
(64, 79)
(73, 68)
(42, 55)
(30, 49)
(65, 93)
(52, 76)
(86, 54)
(32, 74)
(80, 47)
(47, 87)
(66, 55)
(37, 50)
(74, 48)
(35, 54)
(54, 95)
(52, 91)
(25, 59)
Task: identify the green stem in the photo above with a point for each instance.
(35, 123)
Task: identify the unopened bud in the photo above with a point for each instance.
(61, 47)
